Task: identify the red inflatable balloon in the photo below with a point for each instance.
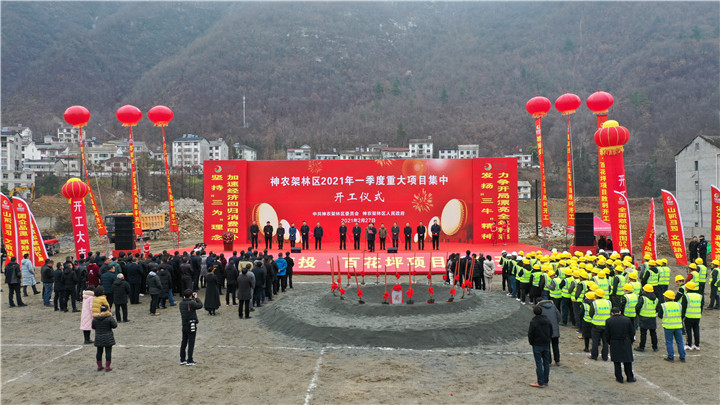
(129, 115)
(77, 116)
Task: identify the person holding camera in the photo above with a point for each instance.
(188, 307)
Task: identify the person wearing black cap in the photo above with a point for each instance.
(620, 333)
(103, 324)
(188, 307)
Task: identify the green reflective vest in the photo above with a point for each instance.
(636, 287)
(602, 312)
(523, 275)
(694, 305)
(663, 275)
(702, 272)
(586, 316)
(630, 303)
(654, 277)
(555, 291)
(621, 282)
(602, 284)
(671, 315)
(536, 278)
(565, 293)
(648, 308)
(580, 290)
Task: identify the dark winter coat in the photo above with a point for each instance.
(46, 274)
(244, 287)
(259, 273)
(57, 280)
(69, 278)
(550, 310)
(106, 280)
(103, 325)
(620, 333)
(212, 293)
(13, 274)
(231, 272)
(187, 307)
(121, 289)
(540, 331)
(165, 280)
(134, 273)
(153, 284)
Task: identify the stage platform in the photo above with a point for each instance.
(374, 264)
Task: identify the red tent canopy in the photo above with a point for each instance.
(600, 227)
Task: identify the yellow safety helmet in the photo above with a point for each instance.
(589, 266)
(699, 261)
(584, 274)
(716, 262)
(633, 276)
(599, 293)
(628, 287)
(576, 273)
(652, 263)
(615, 256)
(536, 266)
(551, 273)
(679, 278)
(664, 262)
(526, 261)
(521, 253)
(648, 288)
(601, 274)
(693, 266)
(691, 285)
(578, 253)
(647, 257)
(618, 262)
(669, 294)
(563, 263)
(619, 269)
(601, 261)
(590, 295)
(593, 286)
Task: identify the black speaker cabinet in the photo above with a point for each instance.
(584, 229)
(295, 250)
(392, 250)
(124, 243)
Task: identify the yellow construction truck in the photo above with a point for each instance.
(151, 224)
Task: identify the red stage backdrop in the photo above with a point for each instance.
(464, 195)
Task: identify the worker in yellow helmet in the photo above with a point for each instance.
(537, 282)
(646, 310)
(599, 313)
(691, 305)
(652, 277)
(628, 302)
(586, 320)
(671, 314)
(714, 279)
(680, 283)
(637, 286)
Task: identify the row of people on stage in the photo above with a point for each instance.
(371, 234)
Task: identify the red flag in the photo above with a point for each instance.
(133, 181)
(715, 224)
(39, 252)
(545, 213)
(96, 213)
(570, 190)
(171, 201)
(23, 227)
(649, 245)
(675, 232)
(9, 231)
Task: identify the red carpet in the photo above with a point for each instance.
(318, 262)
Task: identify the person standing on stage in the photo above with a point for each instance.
(343, 235)
(357, 231)
(408, 236)
(421, 230)
(318, 234)
(395, 232)
(280, 236)
(268, 231)
(494, 233)
(292, 234)
(305, 235)
(254, 231)
(382, 235)
(435, 232)
(370, 235)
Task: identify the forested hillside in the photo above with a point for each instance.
(338, 75)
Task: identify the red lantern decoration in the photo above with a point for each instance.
(611, 135)
(160, 115)
(538, 106)
(74, 189)
(568, 103)
(129, 115)
(600, 102)
(77, 116)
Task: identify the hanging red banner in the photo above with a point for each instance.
(545, 211)
(602, 178)
(715, 230)
(171, 201)
(649, 246)
(133, 184)
(39, 252)
(570, 191)
(9, 231)
(23, 227)
(675, 232)
(96, 213)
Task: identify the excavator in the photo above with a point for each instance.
(18, 190)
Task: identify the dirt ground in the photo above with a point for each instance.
(241, 361)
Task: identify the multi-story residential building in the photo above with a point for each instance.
(395, 153)
(189, 151)
(66, 133)
(524, 190)
(117, 164)
(697, 166)
(327, 156)
(421, 148)
(42, 167)
(302, 153)
(11, 161)
(244, 152)
(468, 151)
(218, 150)
(448, 153)
(524, 161)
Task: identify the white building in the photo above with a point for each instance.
(421, 148)
(244, 152)
(468, 151)
(524, 190)
(11, 161)
(72, 165)
(24, 132)
(524, 161)
(42, 167)
(117, 164)
(327, 156)
(218, 150)
(302, 153)
(697, 166)
(30, 150)
(95, 155)
(189, 151)
(448, 153)
(66, 133)
(51, 150)
(395, 153)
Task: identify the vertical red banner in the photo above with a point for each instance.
(171, 200)
(80, 228)
(602, 178)
(39, 252)
(649, 246)
(545, 212)
(23, 227)
(9, 231)
(133, 181)
(96, 213)
(675, 232)
(715, 230)
(570, 191)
